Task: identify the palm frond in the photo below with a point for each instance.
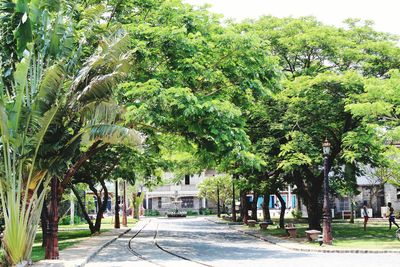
(113, 134)
(49, 88)
(100, 112)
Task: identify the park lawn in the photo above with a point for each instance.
(347, 235)
(69, 235)
(66, 238)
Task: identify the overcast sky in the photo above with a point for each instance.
(385, 13)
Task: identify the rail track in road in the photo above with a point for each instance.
(156, 244)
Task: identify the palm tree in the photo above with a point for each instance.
(47, 112)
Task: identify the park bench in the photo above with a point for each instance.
(312, 235)
(291, 230)
(251, 223)
(346, 214)
(264, 225)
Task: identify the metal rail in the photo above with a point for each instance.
(159, 247)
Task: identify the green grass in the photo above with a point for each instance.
(65, 239)
(346, 235)
(69, 235)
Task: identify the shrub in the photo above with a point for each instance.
(296, 213)
(151, 213)
(190, 212)
(66, 220)
(205, 211)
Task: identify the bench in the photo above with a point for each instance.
(312, 235)
(251, 223)
(264, 225)
(291, 230)
(346, 214)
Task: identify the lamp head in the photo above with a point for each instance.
(326, 147)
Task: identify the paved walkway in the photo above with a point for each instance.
(79, 254)
(198, 242)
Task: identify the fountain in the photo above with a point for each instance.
(175, 212)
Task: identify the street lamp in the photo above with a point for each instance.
(327, 228)
(233, 198)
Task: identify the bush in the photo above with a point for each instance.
(190, 212)
(151, 213)
(205, 211)
(296, 213)
(66, 220)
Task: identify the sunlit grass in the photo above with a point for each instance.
(346, 235)
(69, 235)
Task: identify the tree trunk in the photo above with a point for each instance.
(102, 207)
(265, 206)
(85, 214)
(52, 229)
(244, 207)
(283, 209)
(44, 221)
(314, 211)
(254, 207)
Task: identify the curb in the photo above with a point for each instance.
(318, 250)
(102, 247)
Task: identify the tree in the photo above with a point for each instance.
(209, 186)
(316, 60)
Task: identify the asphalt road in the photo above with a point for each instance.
(198, 242)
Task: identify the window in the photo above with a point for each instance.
(159, 203)
(294, 202)
(187, 179)
(187, 202)
(271, 202)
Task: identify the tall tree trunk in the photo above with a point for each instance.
(124, 218)
(244, 207)
(102, 207)
(254, 206)
(84, 212)
(44, 222)
(283, 209)
(52, 229)
(314, 211)
(265, 206)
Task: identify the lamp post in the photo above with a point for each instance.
(116, 219)
(233, 198)
(124, 218)
(327, 228)
(218, 207)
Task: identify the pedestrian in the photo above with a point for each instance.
(392, 218)
(365, 215)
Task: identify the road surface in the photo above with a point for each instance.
(196, 242)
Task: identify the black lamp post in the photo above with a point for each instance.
(218, 207)
(327, 227)
(233, 198)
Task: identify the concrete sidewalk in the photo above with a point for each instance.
(297, 245)
(80, 253)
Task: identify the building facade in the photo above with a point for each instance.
(182, 196)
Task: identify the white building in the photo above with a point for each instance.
(183, 196)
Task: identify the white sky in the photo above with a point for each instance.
(385, 13)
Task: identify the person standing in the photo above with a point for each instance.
(392, 217)
(365, 215)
